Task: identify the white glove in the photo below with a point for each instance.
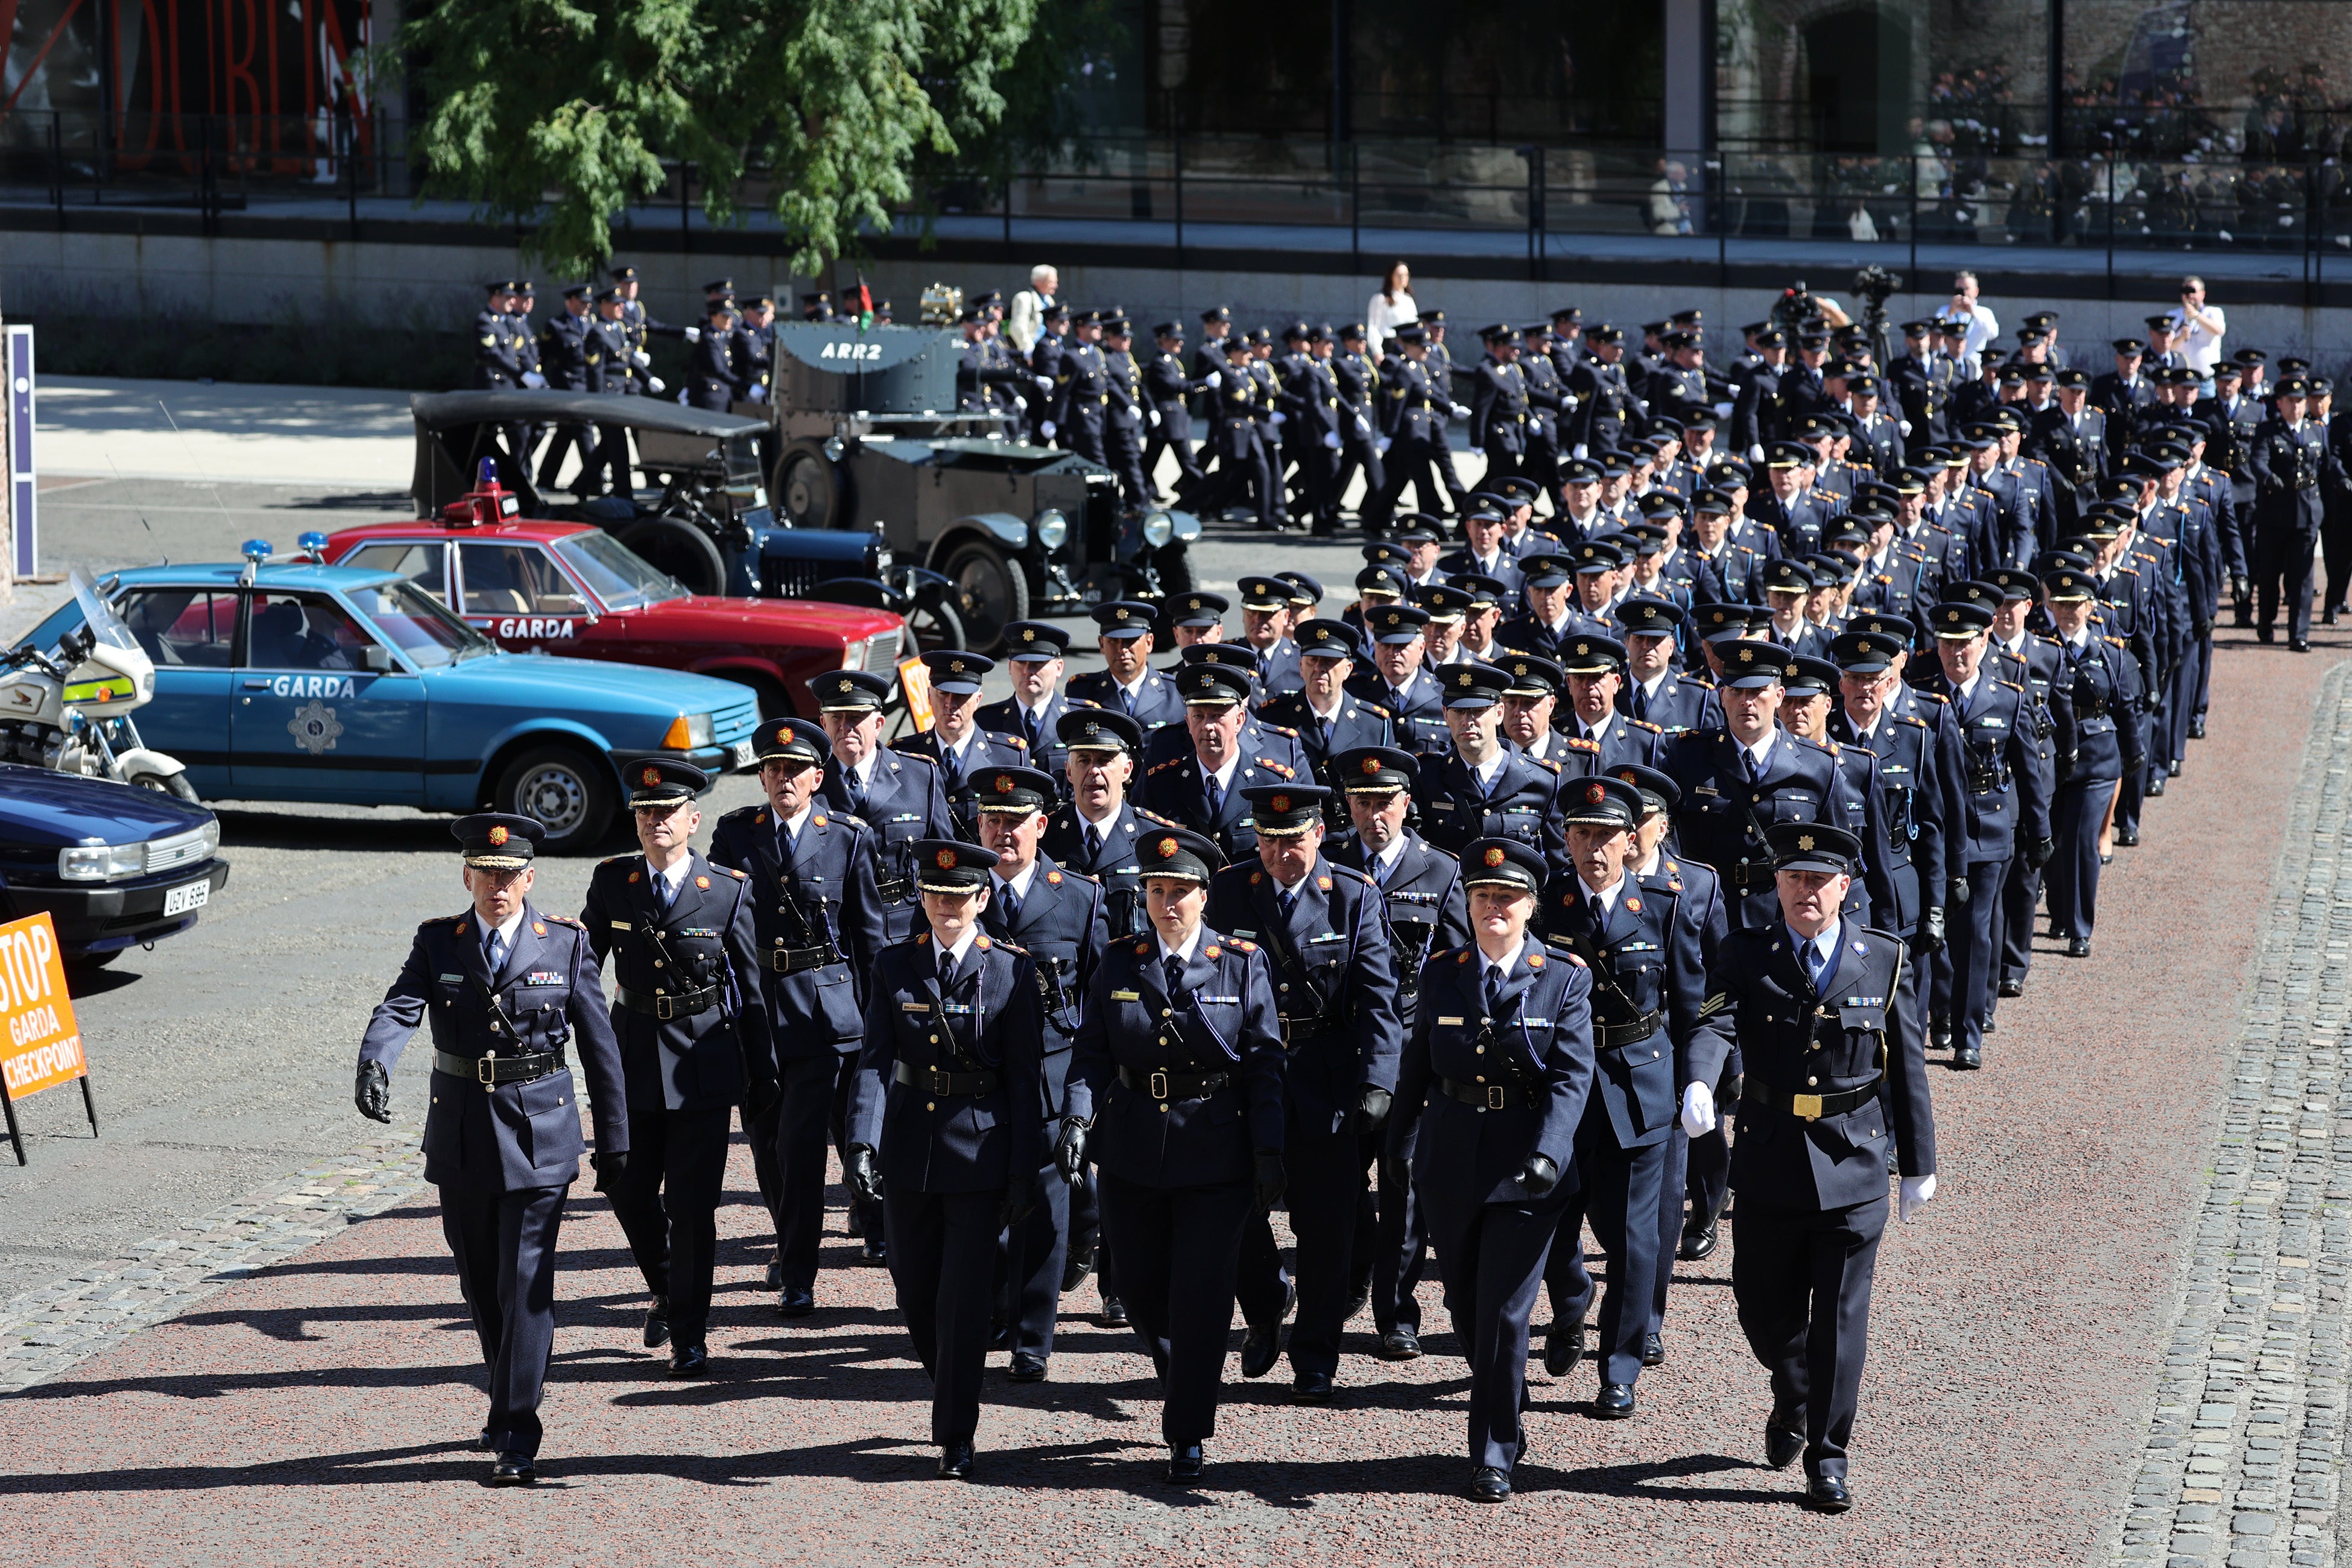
(532, 379)
(1460, 412)
(1906, 424)
(1045, 383)
(758, 393)
(1331, 439)
(1153, 418)
(641, 359)
(1698, 1111)
(656, 385)
(693, 335)
(1723, 410)
(1382, 446)
(1756, 453)
(1277, 419)
(1214, 380)
(1045, 429)
(1579, 451)
(1571, 403)
(1915, 1191)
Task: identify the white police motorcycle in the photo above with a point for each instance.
(69, 706)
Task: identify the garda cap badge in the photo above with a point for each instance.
(1748, 656)
(1121, 613)
(1371, 765)
(1804, 841)
(1282, 803)
(955, 667)
(1584, 647)
(946, 860)
(1028, 634)
(1004, 783)
(1594, 794)
(651, 775)
(1167, 848)
(497, 834)
(1495, 856)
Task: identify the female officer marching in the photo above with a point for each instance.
(1176, 1091)
(1501, 1054)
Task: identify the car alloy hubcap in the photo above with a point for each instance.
(556, 797)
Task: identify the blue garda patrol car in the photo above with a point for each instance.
(297, 681)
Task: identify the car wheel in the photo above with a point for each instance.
(176, 786)
(774, 701)
(935, 626)
(569, 792)
(1174, 565)
(989, 591)
(806, 492)
(680, 549)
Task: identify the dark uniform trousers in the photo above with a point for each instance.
(1813, 1191)
(946, 1157)
(1492, 1238)
(822, 904)
(1336, 980)
(1176, 1172)
(1698, 1170)
(2105, 683)
(668, 1199)
(503, 1159)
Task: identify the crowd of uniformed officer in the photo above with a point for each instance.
(1461, 920)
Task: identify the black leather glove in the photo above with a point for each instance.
(608, 1167)
(1372, 1111)
(1020, 1199)
(2038, 855)
(762, 1097)
(864, 1181)
(371, 1092)
(1539, 1176)
(1931, 931)
(1070, 1150)
(1396, 1174)
(1270, 1182)
(1956, 892)
(2201, 629)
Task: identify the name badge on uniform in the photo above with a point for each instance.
(620, 925)
(916, 1006)
(1127, 995)
(1444, 1023)
(453, 980)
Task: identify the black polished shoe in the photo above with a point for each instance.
(1311, 1388)
(1991, 1024)
(1028, 1366)
(2266, 634)
(2154, 786)
(2078, 947)
(1653, 1350)
(1939, 1035)
(1075, 1267)
(657, 1323)
(1356, 1303)
(2327, 615)
(1968, 1058)
(1400, 1344)
(1185, 1463)
(775, 1274)
(2126, 839)
(1827, 1494)
(2013, 987)
(1260, 1348)
(483, 1443)
(1489, 1484)
(1698, 1240)
(877, 1251)
(795, 1302)
(1114, 1313)
(1784, 1436)
(2298, 645)
(2197, 726)
(1615, 1402)
(512, 1470)
(1563, 1348)
(956, 1460)
(689, 1361)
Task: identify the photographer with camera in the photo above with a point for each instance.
(2197, 330)
(1984, 327)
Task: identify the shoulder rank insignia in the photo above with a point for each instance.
(1278, 729)
(1054, 878)
(1272, 766)
(1237, 944)
(1144, 948)
(1579, 744)
(566, 921)
(1324, 883)
(1643, 724)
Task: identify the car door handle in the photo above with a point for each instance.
(257, 685)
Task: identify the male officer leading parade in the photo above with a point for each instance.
(693, 1032)
(1818, 1008)
(507, 987)
(818, 923)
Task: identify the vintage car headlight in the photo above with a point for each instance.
(688, 732)
(853, 655)
(1053, 528)
(101, 862)
(1159, 528)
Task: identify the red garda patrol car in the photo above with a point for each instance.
(570, 588)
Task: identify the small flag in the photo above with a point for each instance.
(862, 299)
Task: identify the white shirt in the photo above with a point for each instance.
(1607, 895)
(1224, 775)
(1983, 327)
(505, 929)
(1484, 772)
(1019, 884)
(675, 878)
(788, 829)
(1192, 945)
(1383, 317)
(1386, 860)
(1330, 714)
(1968, 691)
(1501, 971)
(1862, 737)
(2197, 345)
(864, 771)
(1650, 686)
(963, 947)
(1649, 867)
(1596, 733)
(1135, 688)
(1762, 751)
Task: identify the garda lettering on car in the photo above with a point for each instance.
(524, 627)
(851, 351)
(313, 686)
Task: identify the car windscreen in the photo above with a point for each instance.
(618, 575)
(410, 621)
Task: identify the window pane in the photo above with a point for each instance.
(426, 565)
(182, 626)
(419, 627)
(515, 580)
(304, 631)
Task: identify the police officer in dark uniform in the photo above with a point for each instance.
(1178, 1097)
(1606, 406)
(1361, 412)
(692, 1022)
(1396, 681)
(1815, 1005)
(1327, 714)
(2286, 457)
(1130, 685)
(566, 343)
(818, 923)
(1498, 405)
(1124, 414)
(2102, 684)
(1083, 389)
(508, 988)
(1483, 787)
(896, 794)
(949, 1091)
(497, 365)
(1320, 926)
(711, 372)
(1412, 410)
(1034, 652)
(956, 743)
(1491, 1092)
(1644, 953)
(1238, 440)
(1168, 394)
(1204, 788)
(1046, 411)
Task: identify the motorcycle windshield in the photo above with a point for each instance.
(106, 626)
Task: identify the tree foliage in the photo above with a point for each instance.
(556, 114)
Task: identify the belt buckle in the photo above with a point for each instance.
(662, 1006)
(1156, 1086)
(938, 1080)
(486, 1070)
(1497, 1095)
(1808, 1106)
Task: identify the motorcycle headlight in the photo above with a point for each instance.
(1159, 528)
(101, 862)
(1053, 528)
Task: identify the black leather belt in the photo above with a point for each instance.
(1176, 1085)
(1810, 1107)
(931, 1080)
(492, 1071)
(1488, 1096)
(683, 1005)
(793, 960)
(1295, 1030)
(1745, 874)
(1608, 1037)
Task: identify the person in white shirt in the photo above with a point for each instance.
(1029, 307)
(1392, 306)
(2198, 328)
(1983, 325)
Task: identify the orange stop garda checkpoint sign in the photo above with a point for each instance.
(40, 1045)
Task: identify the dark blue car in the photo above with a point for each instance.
(111, 864)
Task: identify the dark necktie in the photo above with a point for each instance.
(1817, 965)
(1288, 901)
(494, 952)
(1215, 792)
(947, 970)
(1641, 702)
(1094, 842)
(857, 788)
(1755, 768)
(1035, 725)
(1493, 990)
(1009, 900)
(1600, 915)
(1126, 701)
(1174, 968)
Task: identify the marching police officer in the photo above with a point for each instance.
(1492, 1089)
(1329, 717)
(897, 793)
(1057, 918)
(1034, 654)
(1397, 684)
(957, 744)
(1178, 1097)
(1643, 949)
(818, 924)
(1128, 684)
(2286, 458)
(566, 343)
(693, 1031)
(506, 987)
(1484, 788)
(1816, 1007)
(2102, 680)
(950, 1090)
(1205, 787)
(712, 372)
(1335, 990)
(1169, 392)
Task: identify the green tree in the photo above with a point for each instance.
(556, 115)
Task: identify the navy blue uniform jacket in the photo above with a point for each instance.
(825, 899)
(705, 939)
